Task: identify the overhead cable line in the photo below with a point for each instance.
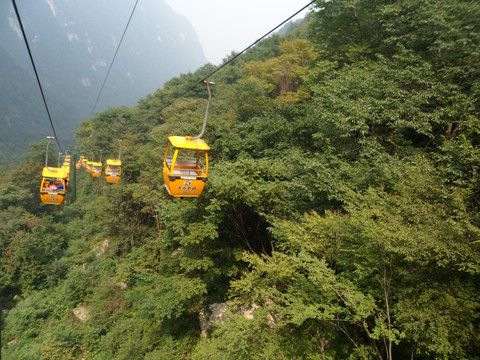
(113, 60)
(36, 73)
(203, 80)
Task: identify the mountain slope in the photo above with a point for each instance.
(23, 118)
(73, 44)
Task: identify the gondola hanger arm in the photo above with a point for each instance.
(207, 83)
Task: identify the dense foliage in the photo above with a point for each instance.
(341, 217)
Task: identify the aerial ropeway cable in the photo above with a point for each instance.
(231, 60)
(113, 60)
(55, 137)
(36, 73)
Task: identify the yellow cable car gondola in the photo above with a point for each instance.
(89, 166)
(66, 168)
(113, 171)
(66, 165)
(54, 185)
(54, 182)
(97, 169)
(185, 164)
(79, 163)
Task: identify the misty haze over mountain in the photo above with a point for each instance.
(73, 43)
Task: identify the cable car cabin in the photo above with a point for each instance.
(66, 168)
(53, 187)
(113, 171)
(185, 166)
(96, 169)
(89, 166)
(79, 163)
(84, 162)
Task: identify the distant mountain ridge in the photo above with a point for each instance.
(73, 44)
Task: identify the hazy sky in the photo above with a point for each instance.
(224, 26)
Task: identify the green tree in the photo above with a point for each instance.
(281, 76)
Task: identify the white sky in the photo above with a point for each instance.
(224, 26)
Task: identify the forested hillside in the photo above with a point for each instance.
(340, 219)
